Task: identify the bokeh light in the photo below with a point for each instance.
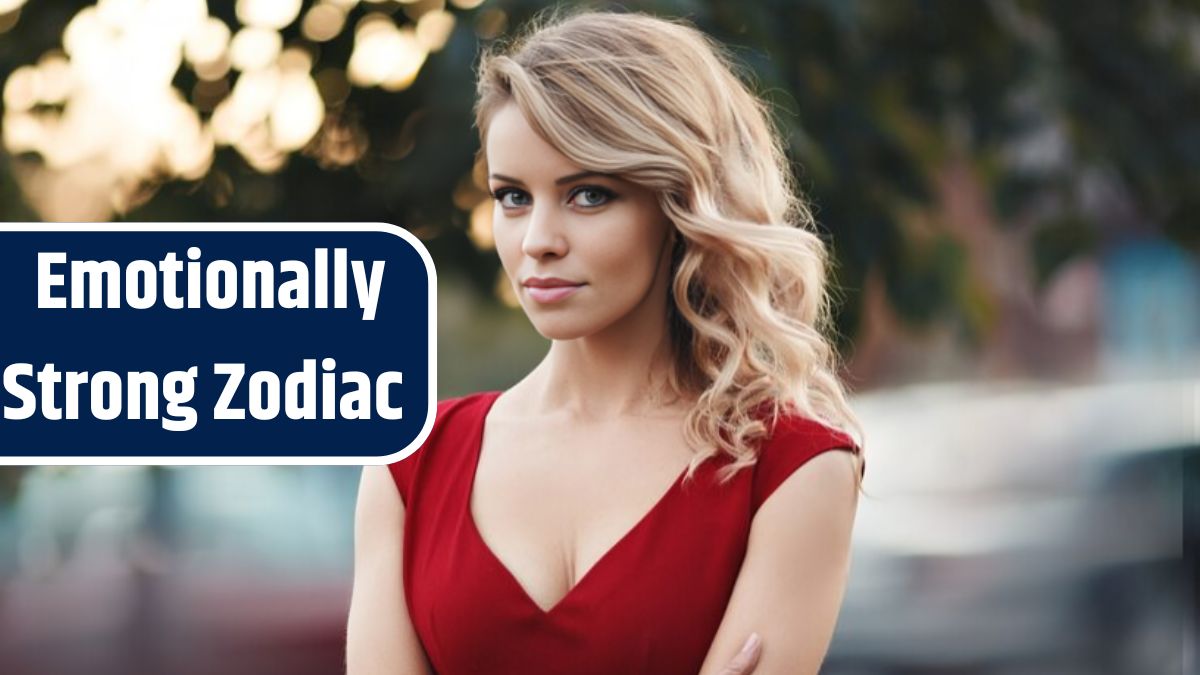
(323, 22)
(434, 28)
(385, 55)
(9, 20)
(481, 225)
(22, 90)
(297, 113)
(207, 44)
(106, 103)
(107, 100)
(271, 14)
(254, 48)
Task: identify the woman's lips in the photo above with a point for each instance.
(547, 294)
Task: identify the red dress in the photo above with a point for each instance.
(651, 604)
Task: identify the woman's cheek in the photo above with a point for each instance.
(508, 248)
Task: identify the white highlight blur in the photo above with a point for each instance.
(107, 125)
(385, 55)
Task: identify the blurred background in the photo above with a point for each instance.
(1011, 190)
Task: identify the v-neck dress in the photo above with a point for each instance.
(651, 604)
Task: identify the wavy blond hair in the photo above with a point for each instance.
(660, 104)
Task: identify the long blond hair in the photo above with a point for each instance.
(660, 104)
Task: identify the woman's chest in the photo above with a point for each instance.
(549, 512)
(650, 602)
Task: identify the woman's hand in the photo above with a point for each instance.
(744, 662)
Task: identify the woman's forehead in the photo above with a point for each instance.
(514, 149)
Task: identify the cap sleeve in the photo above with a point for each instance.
(795, 441)
(404, 471)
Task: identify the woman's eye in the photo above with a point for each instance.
(593, 196)
(510, 199)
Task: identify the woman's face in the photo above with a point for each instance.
(596, 244)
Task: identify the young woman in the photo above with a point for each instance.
(656, 496)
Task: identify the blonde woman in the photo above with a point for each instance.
(656, 495)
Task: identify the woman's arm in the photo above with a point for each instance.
(379, 633)
(793, 578)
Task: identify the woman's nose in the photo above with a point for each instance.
(543, 233)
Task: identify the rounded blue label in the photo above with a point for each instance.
(214, 343)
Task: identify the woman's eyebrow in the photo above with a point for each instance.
(507, 179)
(582, 174)
(559, 181)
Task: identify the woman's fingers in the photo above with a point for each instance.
(744, 662)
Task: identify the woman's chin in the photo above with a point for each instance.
(561, 329)
(559, 333)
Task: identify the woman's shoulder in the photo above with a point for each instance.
(796, 430)
(454, 419)
(792, 441)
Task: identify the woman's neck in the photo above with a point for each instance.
(613, 374)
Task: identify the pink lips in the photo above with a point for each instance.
(549, 294)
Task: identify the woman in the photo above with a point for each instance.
(635, 504)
